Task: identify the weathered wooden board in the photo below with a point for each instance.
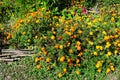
(17, 51)
(10, 55)
(9, 60)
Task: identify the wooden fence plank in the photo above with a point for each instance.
(9, 60)
(10, 55)
(17, 51)
(7, 54)
(21, 55)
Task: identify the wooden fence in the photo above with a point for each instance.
(10, 55)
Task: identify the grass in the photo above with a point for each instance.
(25, 70)
(17, 70)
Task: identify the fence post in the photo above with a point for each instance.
(1, 41)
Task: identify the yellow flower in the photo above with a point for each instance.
(54, 32)
(99, 64)
(95, 20)
(109, 53)
(78, 43)
(60, 75)
(61, 46)
(97, 47)
(91, 43)
(2, 29)
(78, 72)
(8, 37)
(36, 59)
(100, 47)
(68, 33)
(36, 37)
(104, 32)
(108, 70)
(57, 24)
(113, 19)
(89, 23)
(78, 48)
(99, 70)
(116, 36)
(95, 53)
(64, 70)
(38, 53)
(62, 59)
(29, 40)
(119, 45)
(115, 43)
(52, 37)
(37, 21)
(80, 31)
(48, 59)
(105, 23)
(112, 68)
(53, 28)
(113, 14)
(91, 33)
(108, 44)
(80, 54)
(44, 37)
(100, 19)
(115, 52)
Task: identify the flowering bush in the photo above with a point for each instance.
(77, 42)
(85, 43)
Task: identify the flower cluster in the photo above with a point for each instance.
(70, 43)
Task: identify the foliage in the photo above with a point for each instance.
(77, 42)
(71, 44)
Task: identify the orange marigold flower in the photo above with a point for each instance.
(106, 38)
(62, 59)
(77, 60)
(38, 66)
(70, 51)
(48, 59)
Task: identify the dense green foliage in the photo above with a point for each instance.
(70, 38)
